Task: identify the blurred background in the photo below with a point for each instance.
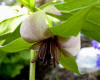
(15, 66)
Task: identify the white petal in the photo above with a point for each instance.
(71, 45)
(34, 27)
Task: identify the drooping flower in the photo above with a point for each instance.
(35, 28)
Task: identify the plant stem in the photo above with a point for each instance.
(32, 66)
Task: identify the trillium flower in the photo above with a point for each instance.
(35, 28)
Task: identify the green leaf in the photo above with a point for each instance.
(16, 45)
(7, 38)
(63, 17)
(49, 3)
(91, 26)
(28, 3)
(9, 29)
(8, 12)
(32, 4)
(12, 64)
(2, 56)
(69, 7)
(71, 26)
(69, 63)
(74, 5)
(10, 24)
(25, 2)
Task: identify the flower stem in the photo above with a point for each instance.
(32, 66)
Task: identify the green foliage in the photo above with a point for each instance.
(74, 5)
(9, 25)
(64, 16)
(71, 26)
(16, 45)
(57, 77)
(12, 64)
(10, 36)
(50, 3)
(84, 22)
(10, 33)
(69, 7)
(9, 29)
(30, 4)
(92, 24)
(69, 63)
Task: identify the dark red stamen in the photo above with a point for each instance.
(48, 49)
